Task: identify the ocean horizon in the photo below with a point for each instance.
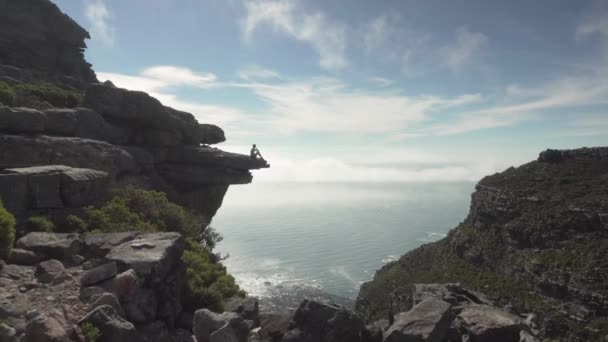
(288, 241)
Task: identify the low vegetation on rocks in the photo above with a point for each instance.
(7, 232)
(39, 224)
(35, 95)
(131, 209)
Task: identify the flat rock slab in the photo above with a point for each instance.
(99, 274)
(427, 321)
(486, 323)
(212, 156)
(99, 244)
(151, 255)
(53, 245)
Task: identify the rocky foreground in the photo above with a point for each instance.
(128, 285)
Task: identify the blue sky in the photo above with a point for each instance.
(395, 90)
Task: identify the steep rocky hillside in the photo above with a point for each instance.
(536, 239)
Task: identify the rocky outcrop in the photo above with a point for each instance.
(133, 137)
(41, 42)
(535, 239)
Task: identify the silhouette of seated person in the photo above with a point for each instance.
(255, 153)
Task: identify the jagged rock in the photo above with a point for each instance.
(274, 327)
(297, 335)
(206, 323)
(111, 300)
(427, 321)
(99, 274)
(51, 326)
(90, 294)
(113, 328)
(97, 245)
(151, 255)
(248, 307)
(126, 284)
(51, 271)
(21, 120)
(36, 35)
(211, 134)
(323, 322)
(485, 323)
(525, 336)
(23, 257)
(156, 331)
(53, 245)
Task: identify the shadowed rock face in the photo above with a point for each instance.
(536, 237)
(37, 37)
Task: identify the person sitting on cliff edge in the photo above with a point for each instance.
(255, 153)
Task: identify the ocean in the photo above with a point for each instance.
(288, 241)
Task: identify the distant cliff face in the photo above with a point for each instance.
(129, 135)
(536, 237)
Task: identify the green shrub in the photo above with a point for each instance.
(91, 332)
(30, 95)
(39, 224)
(7, 232)
(143, 210)
(75, 224)
(7, 94)
(207, 282)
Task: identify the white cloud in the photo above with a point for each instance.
(377, 33)
(378, 165)
(381, 81)
(98, 15)
(463, 50)
(253, 72)
(327, 37)
(172, 75)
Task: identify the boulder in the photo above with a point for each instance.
(151, 255)
(274, 327)
(427, 321)
(450, 292)
(21, 120)
(23, 257)
(97, 245)
(113, 328)
(51, 326)
(98, 274)
(211, 134)
(51, 271)
(81, 187)
(485, 323)
(126, 284)
(53, 245)
(206, 323)
(248, 307)
(111, 300)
